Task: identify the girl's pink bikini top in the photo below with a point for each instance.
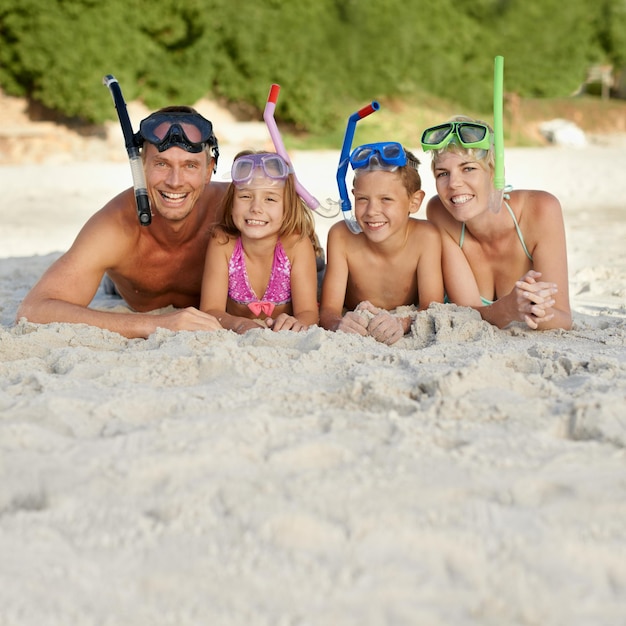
(278, 289)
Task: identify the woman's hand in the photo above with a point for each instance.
(534, 299)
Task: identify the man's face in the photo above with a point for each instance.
(175, 179)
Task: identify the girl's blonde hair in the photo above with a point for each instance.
(297, 217)
(487, 157)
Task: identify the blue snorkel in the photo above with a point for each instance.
(344, 159)
(133, 151)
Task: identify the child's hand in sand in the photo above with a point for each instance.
(354, 322)
(285, 322)
(534, 299)
(383, 326)
(245, 324)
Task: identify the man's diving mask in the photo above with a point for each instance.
(189, 131)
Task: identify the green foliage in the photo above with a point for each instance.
(329, 56)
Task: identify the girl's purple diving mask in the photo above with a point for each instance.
(260, 170)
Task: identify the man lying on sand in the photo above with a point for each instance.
(153, 266)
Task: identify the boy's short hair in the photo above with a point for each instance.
(409, 174)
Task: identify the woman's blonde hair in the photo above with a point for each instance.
(297, 217)
(477, 154)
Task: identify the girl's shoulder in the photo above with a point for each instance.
(223, 241)
(222, 236)
(293, 242)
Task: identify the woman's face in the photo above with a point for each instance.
(464, 184)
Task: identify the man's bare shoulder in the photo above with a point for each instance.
(111, 232)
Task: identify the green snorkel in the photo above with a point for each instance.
(497, 195)
(498, 125)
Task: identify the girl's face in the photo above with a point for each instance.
(464, 185)
(382, 205)
(258, 211)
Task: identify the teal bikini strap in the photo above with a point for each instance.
(517, 228)
(519, 231)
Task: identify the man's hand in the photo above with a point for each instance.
(189, 318)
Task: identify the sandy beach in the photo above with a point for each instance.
(466, 475)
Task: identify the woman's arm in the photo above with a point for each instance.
(460, 283)
(429, 266)
(540, 298)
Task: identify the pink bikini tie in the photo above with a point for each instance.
(261, 307)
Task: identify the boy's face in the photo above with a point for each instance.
(382, 205)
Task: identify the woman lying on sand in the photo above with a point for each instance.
(503, 254)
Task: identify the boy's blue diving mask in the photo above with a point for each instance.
(387, 156)
(180, 129)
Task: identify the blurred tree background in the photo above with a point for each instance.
(329, 56)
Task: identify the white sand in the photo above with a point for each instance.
(466, 475)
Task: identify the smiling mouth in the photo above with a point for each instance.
(375, 224)
(461, 199)
(255, 223)
(173, 197)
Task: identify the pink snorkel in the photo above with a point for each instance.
(279, 146)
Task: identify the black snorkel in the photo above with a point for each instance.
(133, 149)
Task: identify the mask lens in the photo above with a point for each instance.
(434, 136)
(362, 156)
(274, 167)
(242, 170)
(391, 151)
(192, 132)
(471, 133)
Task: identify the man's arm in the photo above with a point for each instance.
(65, 290)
